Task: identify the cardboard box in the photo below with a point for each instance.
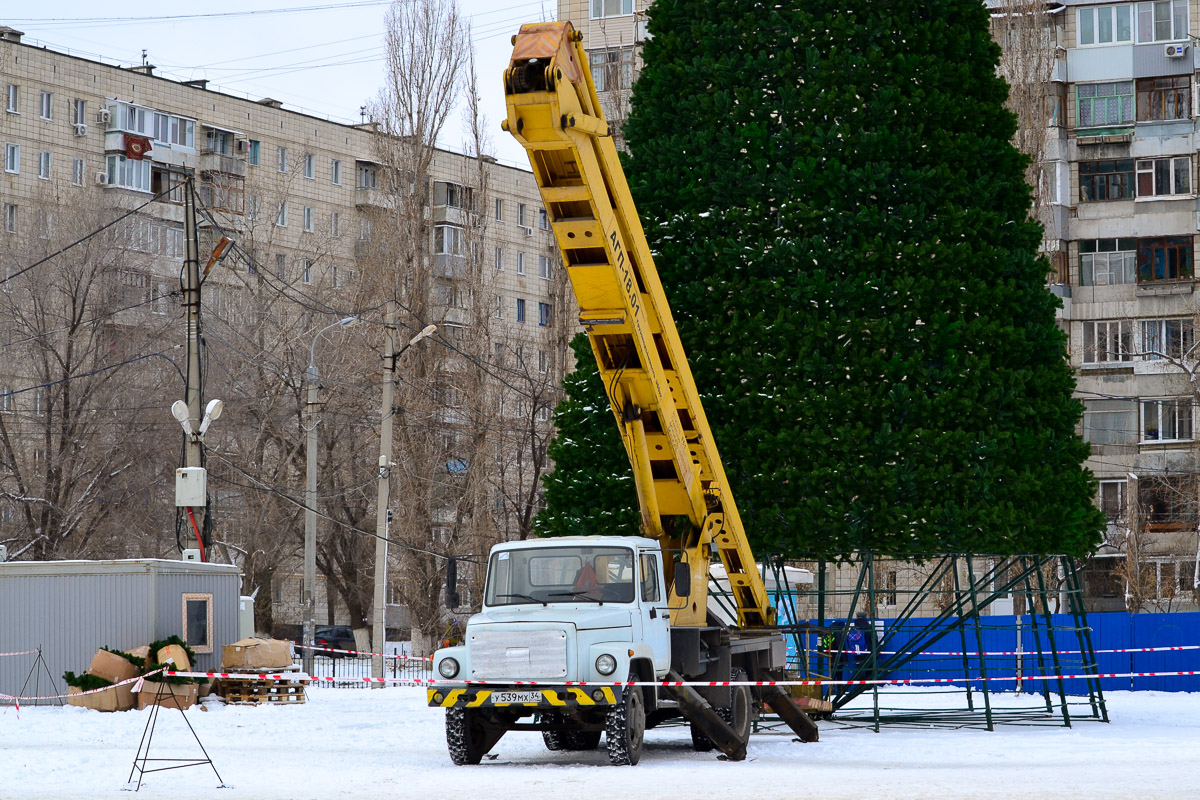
(115, 698)
(256, 654)
(142, 652)
(176, 654)
(112, 667)
(176, 696)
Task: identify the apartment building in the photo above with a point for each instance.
(301, 195)
(1119, 163)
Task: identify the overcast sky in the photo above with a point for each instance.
(322, 58)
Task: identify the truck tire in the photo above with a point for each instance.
(738, 715)
(625, 727)
(466, 738)
(582, 740)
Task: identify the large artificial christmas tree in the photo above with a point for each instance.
(842, 228)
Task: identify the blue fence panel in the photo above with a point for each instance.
(1167, 630)
(1112, 631)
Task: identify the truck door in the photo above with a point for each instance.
(652, 599)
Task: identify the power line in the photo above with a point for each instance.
(95, 21)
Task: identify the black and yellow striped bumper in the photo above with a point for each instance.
(566, 696)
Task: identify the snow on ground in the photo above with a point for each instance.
(386, 742)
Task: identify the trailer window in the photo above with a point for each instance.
(198, 622)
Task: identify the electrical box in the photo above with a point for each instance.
(191, 487)
(191, 555)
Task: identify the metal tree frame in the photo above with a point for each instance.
(961, 592)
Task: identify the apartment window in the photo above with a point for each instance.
(1111, 497)
(44, 165)
(499, 210)
(280, 266)
(308, 219)
(1101, 104)
(368, 178)
(12, 158)
(499, 263)
(310, 166)
(78, 171)
(364, 230)
(11, 106)
(1168, 258)
(336, 279)
(1107, 262)
(281, 159)
(544, 267)
(306, 271)
(1167, 501)
(542, 414)
(1167, 420)
(520, 263)
(521, 215)
(181, 132)
(498, 312)
(1162, 21)
(335, 224)
(6, 403)
(520, 309)
(10, 219)
(543, 361)
(255, 152)
(43, 223)
(1106, 180)
(129, 173)
(78, 111)
(1107, 341)
(1167, 338)
(611, 8)
(545, 315)
(612, 69)
(47, 105)
(1162, 177)
(281, 217)
(1164, 98)
(452, 195)
(1105, 24)
(335, 172)
(1109, 422)
(252, 206)
(543, 219)
(447, 240)
(133, 119)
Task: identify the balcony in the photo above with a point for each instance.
(211, 161)
(371, 197)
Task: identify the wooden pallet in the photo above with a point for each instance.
(254, 691)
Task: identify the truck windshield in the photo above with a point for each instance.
(560, 575)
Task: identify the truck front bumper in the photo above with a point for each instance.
(524, 697)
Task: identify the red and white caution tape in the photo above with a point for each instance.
(245, 676)
(20, 652)
(362, 653)
(1012, 652)
(138, 680)
(552, 684)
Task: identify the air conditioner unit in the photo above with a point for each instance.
(80, 129)
(243, 145)
(526, 231)
(103, 115)
(102, 178)
(1176, 50)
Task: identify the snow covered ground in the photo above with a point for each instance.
(386, 743)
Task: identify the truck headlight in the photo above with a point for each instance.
(606, 664)
(448, 667)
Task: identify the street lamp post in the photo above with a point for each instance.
(311, 378)
(390, 356)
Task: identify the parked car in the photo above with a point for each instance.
(338, 637)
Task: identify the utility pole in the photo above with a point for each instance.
(383, 495)
(310, 520)
(194, 450)
(390, 357)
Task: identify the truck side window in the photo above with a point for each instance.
(650, 590)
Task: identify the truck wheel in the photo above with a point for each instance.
(555, 740)
(737, 715)
(625, 727)
(466, 738)
(582, 740)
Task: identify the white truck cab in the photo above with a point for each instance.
(577, 608)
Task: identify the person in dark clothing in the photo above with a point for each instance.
(858, 643)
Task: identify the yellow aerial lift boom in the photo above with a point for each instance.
(553, 111)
